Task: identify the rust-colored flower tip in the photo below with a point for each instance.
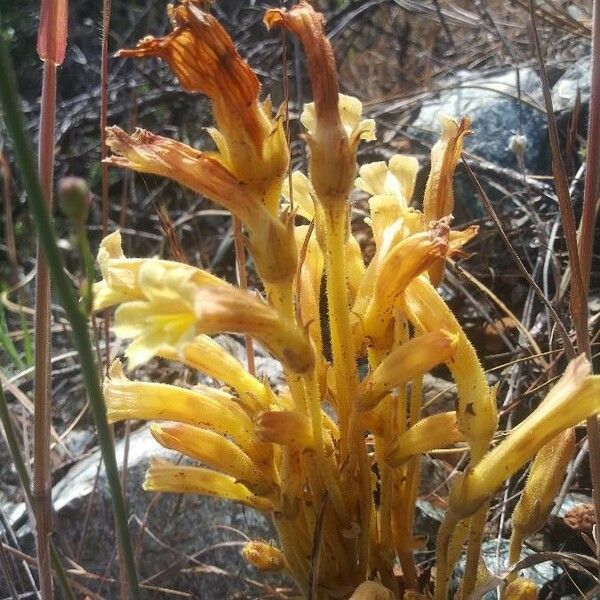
(333, 122)
(308, 25)
(146, 152)
(52, 32)
(204, 59)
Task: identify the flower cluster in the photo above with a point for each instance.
(281, 451)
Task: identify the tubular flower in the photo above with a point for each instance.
(205, 174)
(241, 312)
(404, 363)
(406, 261)
(164, 476)
(202, 407)
(575, 396)
(285, 427)
(439, 193)
(333, 121)
(543, 483)
(251, 143)
(430, 433)
(174, 310)
(121, 275)
(213, 450)
(207, 356)
(146, 152)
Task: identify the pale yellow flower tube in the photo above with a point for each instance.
(430, 433)
(164, 476)
(240, 311)
(207, 356)
(405, 261)
(575, 397)
(215, 451)
(207, 408)
(410, 360)
(476, 407)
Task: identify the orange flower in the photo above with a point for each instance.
(204, 58)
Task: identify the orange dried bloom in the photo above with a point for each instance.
(203, 57)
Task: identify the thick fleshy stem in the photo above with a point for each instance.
(344, 367)
(474, 550)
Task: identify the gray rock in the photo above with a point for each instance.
(439, 395)
(576, 77)
(491, 100)
(172, 534)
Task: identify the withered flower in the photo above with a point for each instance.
(202, 55)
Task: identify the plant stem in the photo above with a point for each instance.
(441, 558)
(44, 225)
(344, 368)
(23, 474)
(41, 488)
(240, 261)
(474, 550)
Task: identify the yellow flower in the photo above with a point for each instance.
(406, 362)
(396, 179)
(165, 316)
(403, 263)
(333, 121)
(202, 407)
(121, 275)
(264, 556)
(285, 427)
(430, 433)
(573, 398)
(207, 356)
(215, 451)
(174, 309)
(202, 172)
(164, 476)
(439, 193)
(146, 152)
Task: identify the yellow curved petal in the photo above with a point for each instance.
(215, 451)
(164, 476)
(127, 399)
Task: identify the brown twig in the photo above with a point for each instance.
(492, 213)
(592, 175)
(9, 228)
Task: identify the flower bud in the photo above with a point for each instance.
(263, 556)
(520, 589)
(74, 199)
